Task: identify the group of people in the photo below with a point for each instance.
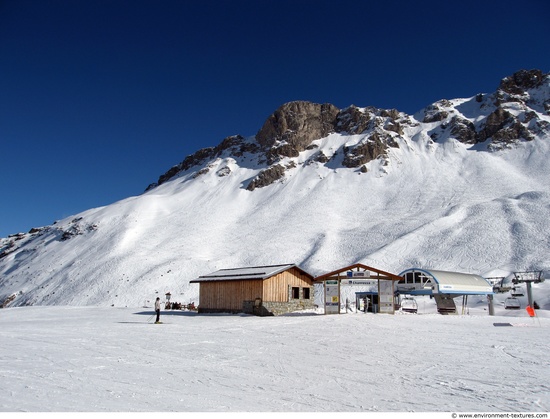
(172, 306)
(168, 306)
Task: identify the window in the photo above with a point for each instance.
(415, 278)
(296, 293)
(307, 293)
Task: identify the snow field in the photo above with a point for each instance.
(98, 359)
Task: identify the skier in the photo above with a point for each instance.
(157, 309)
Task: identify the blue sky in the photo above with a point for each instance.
(100, 97)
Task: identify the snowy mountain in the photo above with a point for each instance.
(461, 185)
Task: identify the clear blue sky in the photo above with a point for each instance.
(100, 97)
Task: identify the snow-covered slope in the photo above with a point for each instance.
(462, 185)
(89, 359)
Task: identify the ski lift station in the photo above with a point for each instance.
(385, 292)
(280, 289)
(379, 298)
(444, 286)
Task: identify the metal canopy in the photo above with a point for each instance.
(427, 282)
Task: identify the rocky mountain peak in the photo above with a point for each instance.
(511, 114)
(521, 81)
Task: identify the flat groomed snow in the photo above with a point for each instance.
(102, 359)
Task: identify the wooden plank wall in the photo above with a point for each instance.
(228, 295)
(276, 287)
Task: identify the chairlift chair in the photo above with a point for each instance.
(512, 304)
(517, 292)
(409, 305)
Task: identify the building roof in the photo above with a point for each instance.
(241, 274)
(454, 282)
(378, 274)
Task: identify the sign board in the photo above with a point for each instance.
(358, 282)
(385, 296)
(358, 274)
(332, 297)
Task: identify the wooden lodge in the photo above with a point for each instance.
(260, 290)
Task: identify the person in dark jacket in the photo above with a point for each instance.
(157, 309)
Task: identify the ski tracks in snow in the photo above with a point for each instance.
(101, 359)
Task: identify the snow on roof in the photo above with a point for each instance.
(456, 282)
(239, 274)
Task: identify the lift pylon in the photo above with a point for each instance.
(528, 277)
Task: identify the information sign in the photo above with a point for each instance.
(358, 282)
(385, 296)
(332, 297)
(358, 274)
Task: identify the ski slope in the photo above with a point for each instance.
(102, 359)
(450, 208)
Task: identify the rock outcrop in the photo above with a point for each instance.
(267, 177)
(521, 81)
(293, 126)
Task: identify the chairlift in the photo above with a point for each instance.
(409, 305)
(517, 292)
(512, 304)
(498, 284)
